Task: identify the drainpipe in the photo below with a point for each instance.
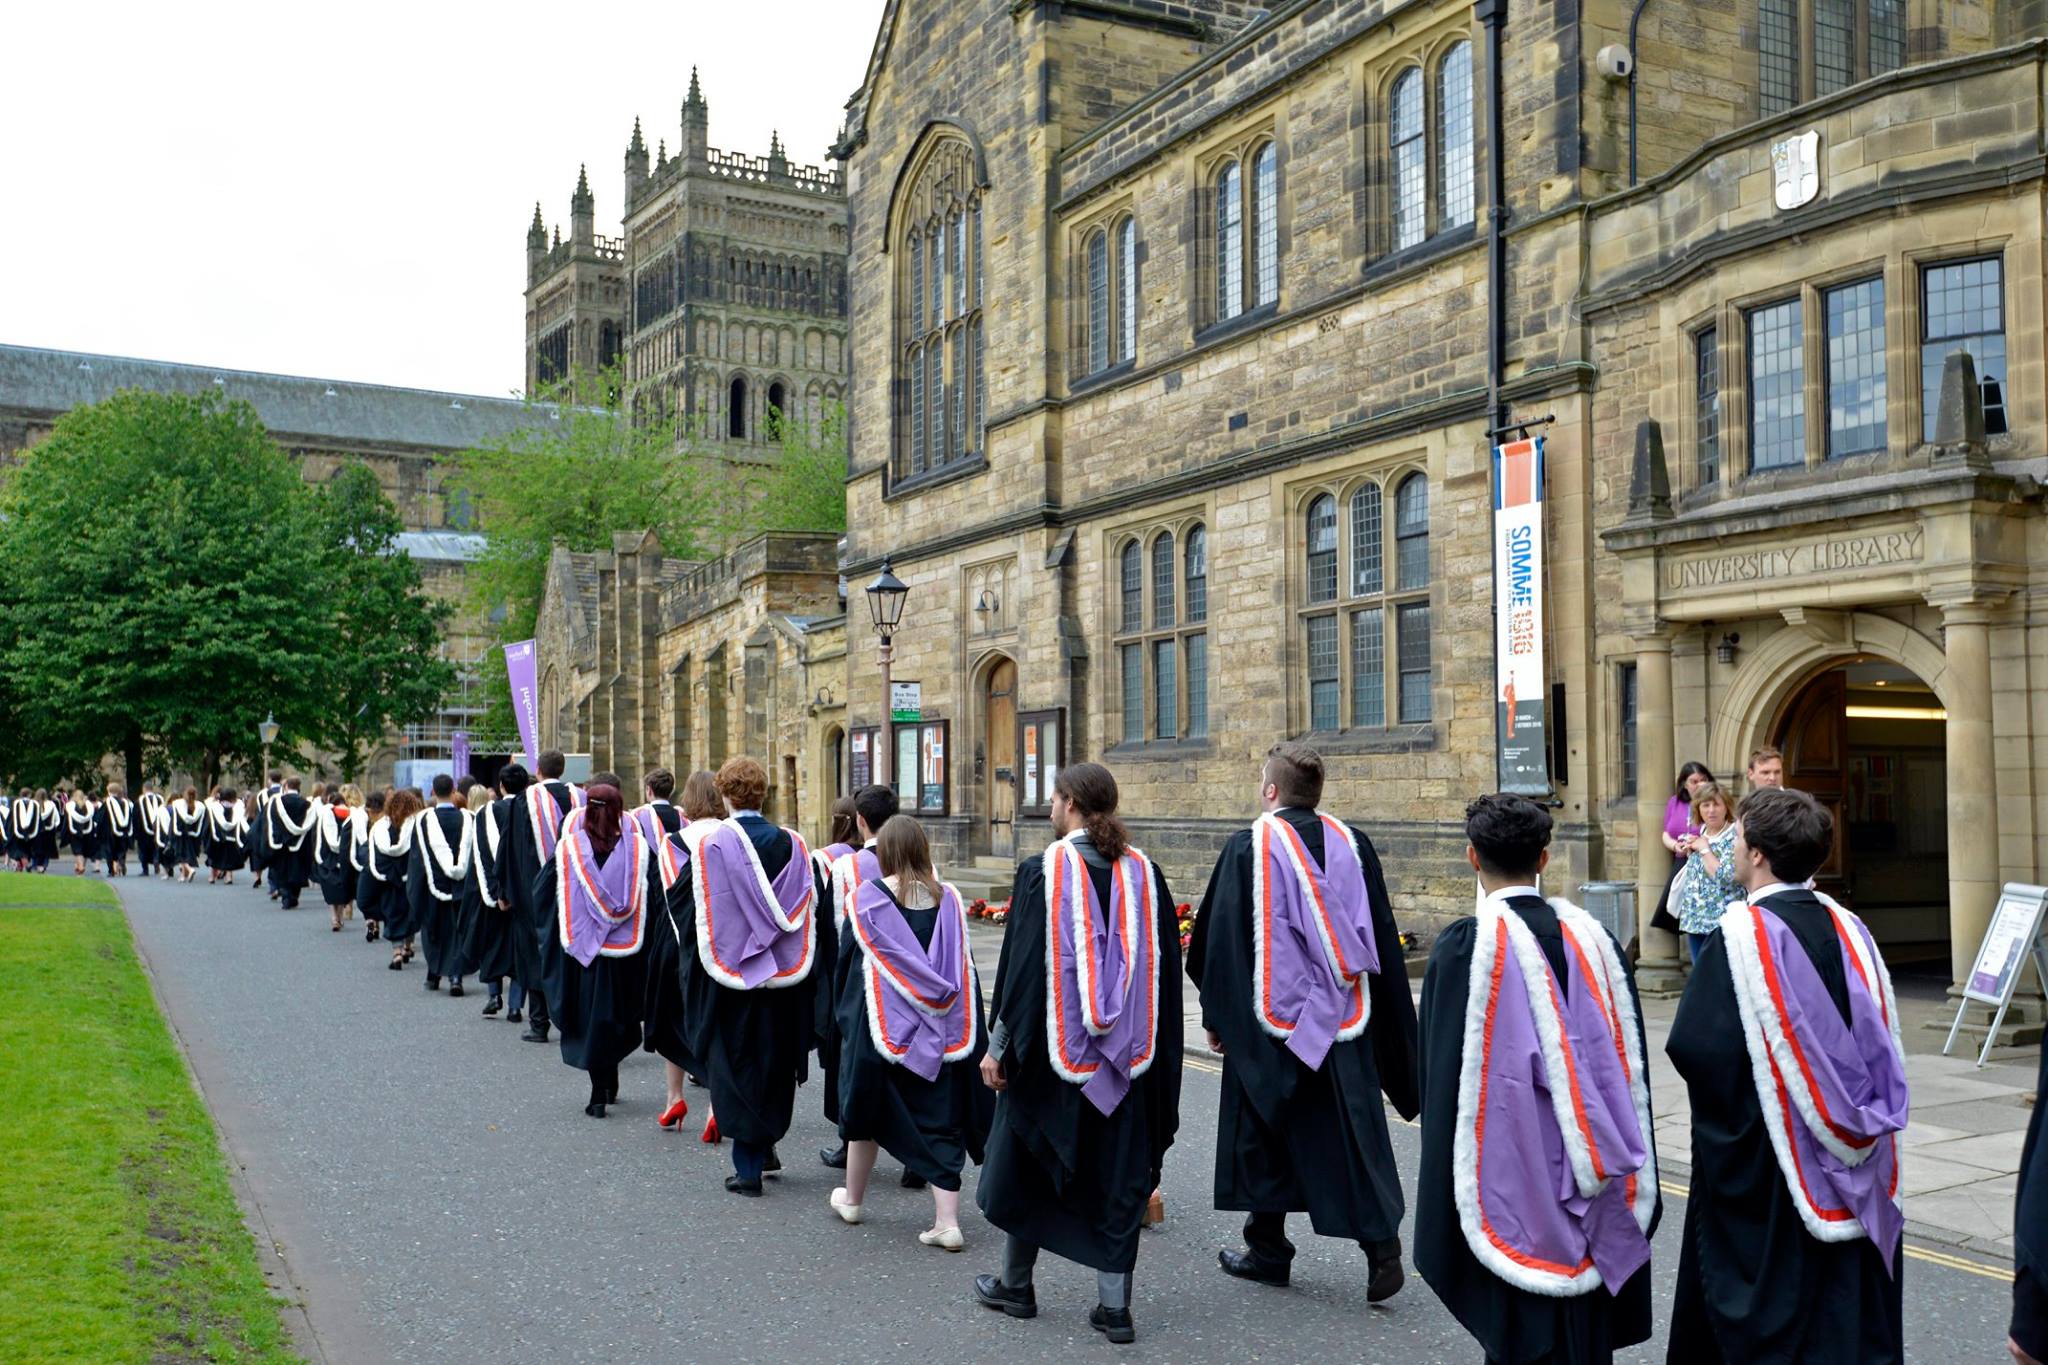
(1634, 64)
(1493, 16)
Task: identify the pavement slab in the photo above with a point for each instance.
(436, 1193)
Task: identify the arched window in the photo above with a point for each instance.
(940, 385)
(1455, 206)
(1195, 595)
(1265, 202)
(778, 407)
(1411, 533)
(1365, 540)
(1409, 158)
(736, 409)
(1132, 612)
(1127, 288)
(1098, 301)
(1163, 575)
(1322, 549)
(1229, 242)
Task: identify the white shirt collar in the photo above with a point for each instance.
(1773, 889)
(738, 813)
(871, 843)
(1508, 893)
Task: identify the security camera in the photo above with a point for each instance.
(1615, 62)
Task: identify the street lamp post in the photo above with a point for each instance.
(885, 608)
(267, 731)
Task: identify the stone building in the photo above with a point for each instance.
(1181, 337)
(645, 661)
(404, 435)
(724, 296)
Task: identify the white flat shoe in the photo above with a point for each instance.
(948, 1239)
(848, 1213)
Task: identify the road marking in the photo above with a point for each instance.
(1677, 1190)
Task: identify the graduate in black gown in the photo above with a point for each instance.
(1300, 1124)
(662, 1028)
(189, 817)
(381, 892)
(117, 830)
(227, 836)
(1083, 1121)
(912, 1033)
(359, 859)
(23, 819)
(1770, 1273)
(487, 928)
(287, 842)
(149, 830)
(595, 894)
(1478, 1177)
(746, 909)
(335, 819)
(854, 822)
(2028, 1337)
(78, 828)
(535, 821)
(443, 848)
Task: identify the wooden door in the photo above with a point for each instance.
(1814, 735)
(1000, 743)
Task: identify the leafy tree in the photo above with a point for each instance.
(162, 590)
(383, 666)
(805, 489)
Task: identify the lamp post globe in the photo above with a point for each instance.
(885, 609)
(266, 730)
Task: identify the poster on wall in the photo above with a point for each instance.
(863, 760)
(1519, 679)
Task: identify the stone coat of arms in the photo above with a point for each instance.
(1796, 162)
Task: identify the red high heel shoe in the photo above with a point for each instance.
(711, 1131)
(673, 1116)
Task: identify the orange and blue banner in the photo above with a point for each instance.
(1520, 684)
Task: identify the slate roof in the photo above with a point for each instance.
(291, 406)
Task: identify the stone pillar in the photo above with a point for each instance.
(1657, 970)
(1973, 867)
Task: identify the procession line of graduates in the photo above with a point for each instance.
(722, 943)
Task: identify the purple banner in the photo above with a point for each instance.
(458, 763)
(519, 667)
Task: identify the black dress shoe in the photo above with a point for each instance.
(912, 1181)
(1386, 1279)
(535, 1033)
(493, 1005)
(455, 991)
(991, 1292)
(512, 1016)
(594, 1109)
(433, 983)
(1114, 1323)
(771, 1164)
(836, 1159)
(750, 1188)
(1246, 1266)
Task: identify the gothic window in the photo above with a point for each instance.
(1454, 196)
(942, 387)
(1111, 254)
(1707, 406)
(1366, 639)
(1431, 150)
(778, 410)
(1163, 659)
(1245, 228)
(736, 409)
(1410, 160)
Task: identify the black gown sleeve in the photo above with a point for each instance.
(1393, 1026)
(2030, 1227)
(1164, 1094)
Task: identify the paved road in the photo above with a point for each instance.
(437, 1194)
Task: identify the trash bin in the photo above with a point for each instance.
(1614, 905)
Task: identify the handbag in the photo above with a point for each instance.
(1673, 889)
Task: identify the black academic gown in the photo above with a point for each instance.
(661, 1027)
(2030, 1235)
(226, 850)
(597, 1008)
(83, 840)
(1512, 1325)
(1289, 1139)
(438, 921)
(486, 929)
(826, 1008)
(149, 845)
(114, 843)
(380, 891)
(1059, 1173)
(288, 861)
(933, 1126)
(519, 869)
(752, 1048)
(1753, 1285)
(188, 833)
(333, 870)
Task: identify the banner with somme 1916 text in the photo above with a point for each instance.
(519, 669)
(1519, 686)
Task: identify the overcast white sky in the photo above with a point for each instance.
(343, 190)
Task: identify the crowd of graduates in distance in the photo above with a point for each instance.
(693, 927)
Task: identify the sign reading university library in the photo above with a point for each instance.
(1800, 559)
(1518, 685)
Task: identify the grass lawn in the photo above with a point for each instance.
(119, 1237)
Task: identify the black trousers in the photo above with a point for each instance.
(1265, 1236)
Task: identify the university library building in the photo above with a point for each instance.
(1184, 337)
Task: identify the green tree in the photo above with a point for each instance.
(805, 488)
(383, 665)
(162, 588)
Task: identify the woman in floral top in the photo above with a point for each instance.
(1708, 882)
